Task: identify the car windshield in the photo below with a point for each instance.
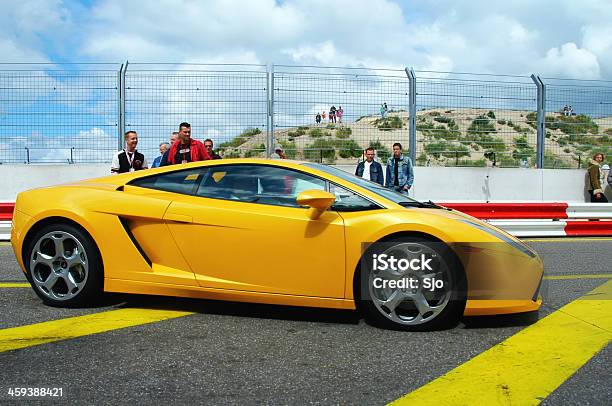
(366, 184)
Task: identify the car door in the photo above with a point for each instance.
(148, 230)
(243, 230)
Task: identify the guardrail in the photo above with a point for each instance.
(552, 219)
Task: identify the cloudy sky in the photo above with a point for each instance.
(561, 38)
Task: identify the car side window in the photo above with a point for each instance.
(347, 200)
(183, 182)
(261, 184)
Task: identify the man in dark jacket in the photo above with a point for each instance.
(129, 159)
(208, 144)
(370, 169)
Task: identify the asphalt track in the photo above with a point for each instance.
(140, 349)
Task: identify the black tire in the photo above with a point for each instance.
(375, 311)
(60, 279)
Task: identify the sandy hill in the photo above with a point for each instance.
(467, 137)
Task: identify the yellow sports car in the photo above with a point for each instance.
(270, 231)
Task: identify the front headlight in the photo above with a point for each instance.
(492, 231)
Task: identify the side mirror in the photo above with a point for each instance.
(317, 200)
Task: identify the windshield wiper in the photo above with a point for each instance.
(427, 205)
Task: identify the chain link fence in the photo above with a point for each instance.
(77, 113)
(226, 103)
(58, 113)
(475, 120)
(578, 122)
(331, 114)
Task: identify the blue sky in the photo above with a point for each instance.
(564, 38)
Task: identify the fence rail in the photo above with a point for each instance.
(77, 113)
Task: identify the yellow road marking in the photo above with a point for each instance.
(567, 239)
(528, 366)
(579, 276)
(14, 285)
(73, 327)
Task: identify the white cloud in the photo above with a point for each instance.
(571, 61)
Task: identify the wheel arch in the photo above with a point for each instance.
(54, 220)
(390, 237)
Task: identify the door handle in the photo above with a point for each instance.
(179, 218)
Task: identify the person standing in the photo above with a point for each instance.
(185, 149)
(594, 184)
(163, 147)
(129, 159)
(208, 144)
(279, 153)
(173, 137)
(332, 114)
(400, 174)
(339, 114)
(370, 169)
(318, 118)
(323, 115)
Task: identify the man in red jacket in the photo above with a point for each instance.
(185, 149)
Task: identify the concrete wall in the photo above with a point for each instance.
(435, 183)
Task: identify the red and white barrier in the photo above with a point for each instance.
(6, 214)
(551, 219)
(543, 219)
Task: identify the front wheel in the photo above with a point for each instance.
(64, 266)
(412, 284)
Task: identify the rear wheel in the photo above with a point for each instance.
(64, 266)
(404, 297)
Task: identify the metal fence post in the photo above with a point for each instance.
(122, 106)
(412, 114)
(270, 121)
(541, 120)
(119, 108)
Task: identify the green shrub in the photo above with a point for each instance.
(491, 114)
(488, 142)
(232, 153)
(434, 113)
(256, 151)
(456, 151)
(425, 127)
(240, 139)
(317, 133)
(422, 159)
(501, 122)
(290, 149)
(436, 149)
(348, 149)
(505, 160)
(388, 123)
(532, 119)
(303, 128)
(580, 124)
(470, 162)
(481, 125)
(320, 148)
(382, 152)
(249, 132)
(523, 150)
(343, 132)
(554, 161)
(444, 120)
